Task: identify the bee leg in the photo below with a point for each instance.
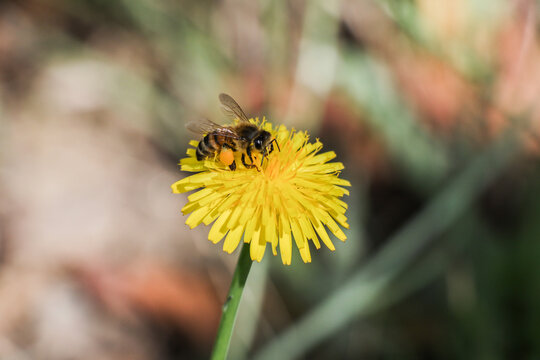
(233, 166)
(248, 166)
(248, 151)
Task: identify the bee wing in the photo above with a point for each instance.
(231, 107)
(203, 126)
(206, 126)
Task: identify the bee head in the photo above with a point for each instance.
(264, 143)
(261, 141)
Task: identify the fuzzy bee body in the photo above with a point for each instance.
(212, 143)
(224, 141)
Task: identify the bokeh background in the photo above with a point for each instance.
(433, 107)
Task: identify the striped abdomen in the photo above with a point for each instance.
(211, 143)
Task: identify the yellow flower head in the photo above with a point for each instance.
(294, 195)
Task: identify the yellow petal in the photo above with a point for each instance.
(285, 241)
(305, 254)
(233, 238)
(218, 230)
(323, 235)
(299, 238)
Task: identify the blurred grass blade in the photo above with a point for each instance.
(370, 84)
(360, 294)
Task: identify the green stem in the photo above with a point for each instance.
(223, 337)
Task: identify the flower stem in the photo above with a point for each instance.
(223, 337)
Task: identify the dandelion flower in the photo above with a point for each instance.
(293, 198)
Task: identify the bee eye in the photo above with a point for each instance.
(258, 143)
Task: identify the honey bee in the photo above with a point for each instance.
(225, 141)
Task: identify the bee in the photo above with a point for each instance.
(225, 141)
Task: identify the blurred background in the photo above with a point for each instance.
(431, 105)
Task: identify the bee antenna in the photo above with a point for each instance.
(275, 141)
